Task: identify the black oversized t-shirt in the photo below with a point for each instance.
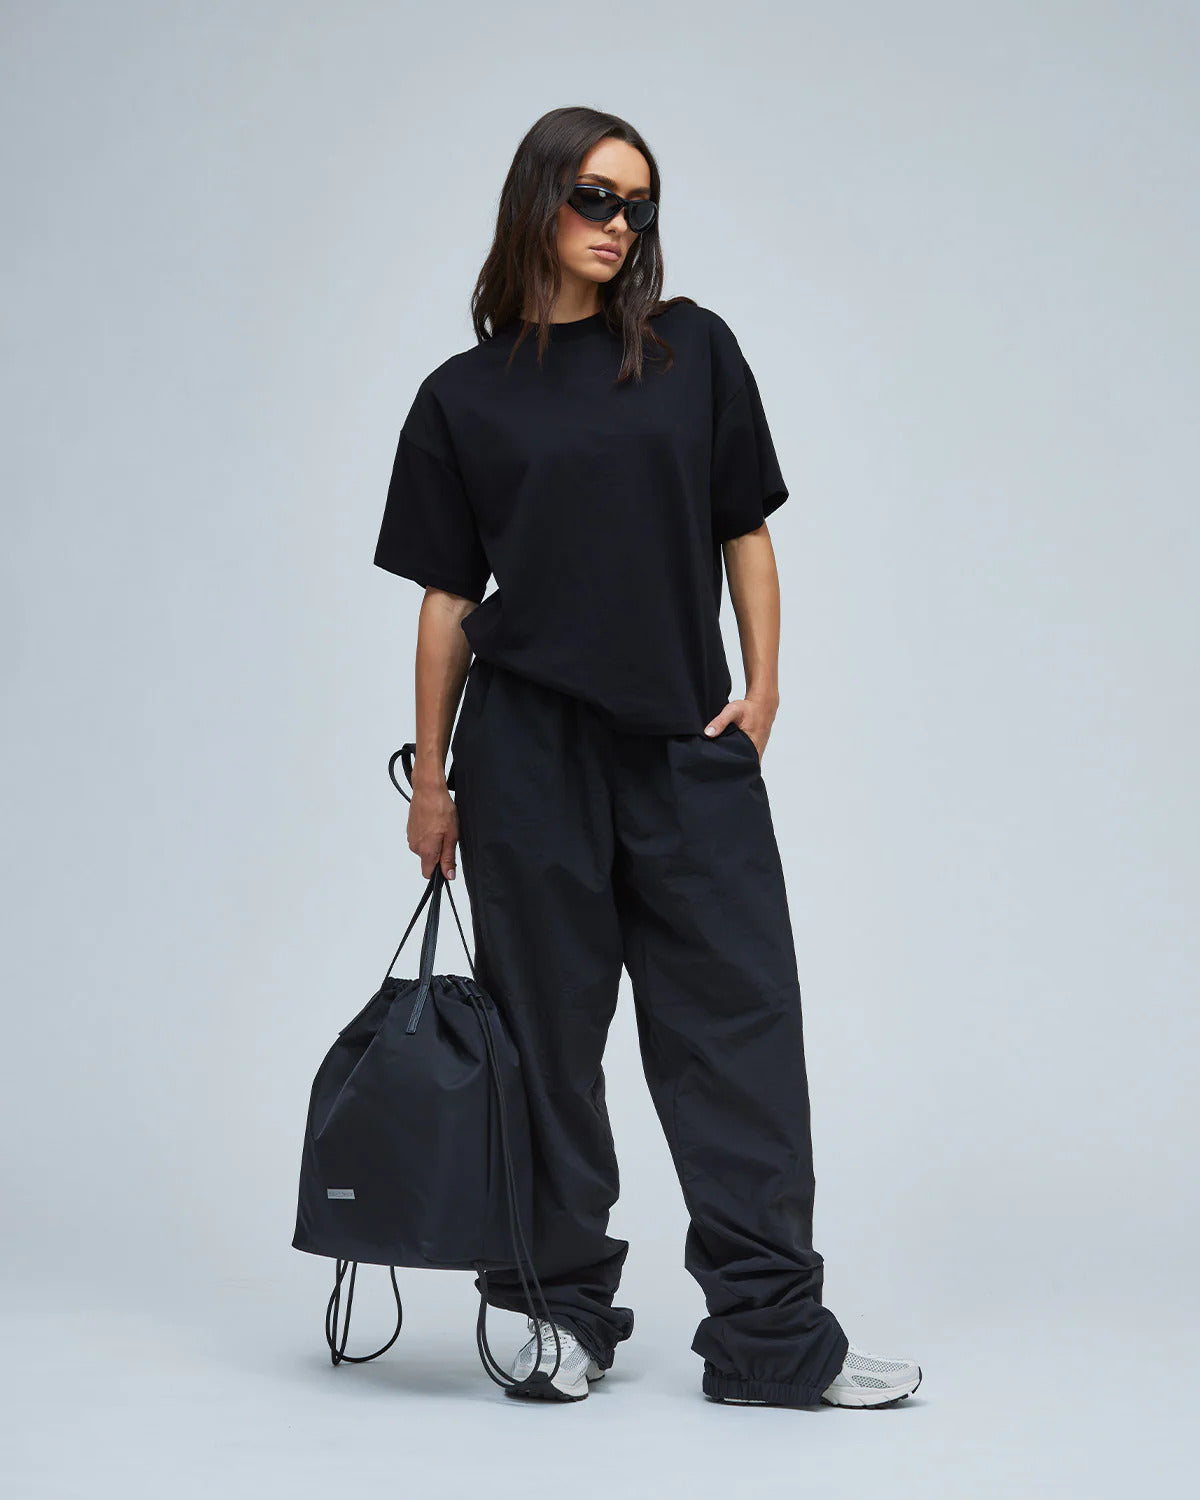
(599, 509)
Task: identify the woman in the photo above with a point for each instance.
(609, 797)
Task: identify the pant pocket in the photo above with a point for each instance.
(746, 740)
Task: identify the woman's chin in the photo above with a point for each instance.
(596, 270)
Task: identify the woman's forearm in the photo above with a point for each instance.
(754, 594)
(442, 659)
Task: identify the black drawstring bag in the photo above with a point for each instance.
(417, 1148)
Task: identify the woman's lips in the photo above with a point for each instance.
(606, 252)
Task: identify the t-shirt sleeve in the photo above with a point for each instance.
(746, 483)
(429, 532)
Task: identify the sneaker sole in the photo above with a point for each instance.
(542, 1388)
(872, 1401)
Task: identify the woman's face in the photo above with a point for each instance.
(582, 243)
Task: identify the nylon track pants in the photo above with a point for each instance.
(586, 849)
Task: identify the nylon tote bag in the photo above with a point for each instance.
(416, 1148)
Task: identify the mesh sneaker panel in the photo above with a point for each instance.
(857, 1361)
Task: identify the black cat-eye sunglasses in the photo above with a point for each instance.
(601, 204)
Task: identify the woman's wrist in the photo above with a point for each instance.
(767, 696)
(429, 772)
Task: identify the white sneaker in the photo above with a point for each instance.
(867, 1380)
(575, 1367)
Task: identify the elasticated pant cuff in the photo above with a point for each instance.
(777, 1391)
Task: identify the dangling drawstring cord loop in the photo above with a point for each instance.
(331, 1316)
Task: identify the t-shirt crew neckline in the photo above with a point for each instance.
(574, 328)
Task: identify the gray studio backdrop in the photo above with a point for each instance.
(958, 246)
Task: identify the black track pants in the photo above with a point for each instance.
(585, 848)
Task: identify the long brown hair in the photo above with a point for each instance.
(522, 267)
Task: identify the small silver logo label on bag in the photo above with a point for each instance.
(339, 1192)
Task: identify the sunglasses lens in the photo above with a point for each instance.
(593, 203)
(640, 215)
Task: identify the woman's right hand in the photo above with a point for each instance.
(433, 828)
